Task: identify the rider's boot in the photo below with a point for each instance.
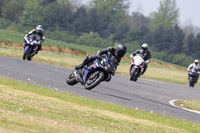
(82, 64)
(144, 70)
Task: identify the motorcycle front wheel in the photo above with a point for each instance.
(133, 76)
(94, 80)
(71, 80)
(191, 81)
(26, 49)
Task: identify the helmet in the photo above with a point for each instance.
(144, 46)
(120, 50)
(39, 29)
(196, 61)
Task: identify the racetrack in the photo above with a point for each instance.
(151, 96)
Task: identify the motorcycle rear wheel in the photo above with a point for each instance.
(71, 80)
(94, 81)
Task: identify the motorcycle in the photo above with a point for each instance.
(137, 67)
(193, 73)
(94, 73)
(30, 47)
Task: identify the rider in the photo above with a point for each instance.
(38, 31)
(146, 54)
(196, 65)
(118, 52)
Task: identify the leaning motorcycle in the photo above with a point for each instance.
(137, 67)
(193, 73)
(30, 47)
(94, 73)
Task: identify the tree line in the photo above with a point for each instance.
(103, 23)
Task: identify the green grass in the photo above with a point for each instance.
(32, 109)
(13, 37)
(190, 104)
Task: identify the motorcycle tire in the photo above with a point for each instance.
(26, 52)
(191, 82)
(71, 80)
(99, 77)
(29, 58)
(133, 76)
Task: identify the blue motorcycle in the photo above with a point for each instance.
(30, 47)
(93, 74)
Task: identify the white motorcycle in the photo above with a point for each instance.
(137, 66)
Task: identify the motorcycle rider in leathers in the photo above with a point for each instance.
(38, 31)
(146, 54)
(118, 52)
(196, 65)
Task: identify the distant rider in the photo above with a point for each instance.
(39, 32)
(196, 65)
(146, 54)
(118, 52)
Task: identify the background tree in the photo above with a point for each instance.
(113, 8)
(12, 9)
(167, 15)
(189, 44)
(33, 13)
(1, 5)
(197, 46)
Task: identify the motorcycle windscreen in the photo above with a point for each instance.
(138, 60)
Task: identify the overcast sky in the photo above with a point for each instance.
(189, 9)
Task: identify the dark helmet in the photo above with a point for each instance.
(144, 46)
(120, 50)
(39, 29)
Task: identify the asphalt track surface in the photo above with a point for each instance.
(151, 96)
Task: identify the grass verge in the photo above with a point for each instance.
(189, 104)
(29, 108)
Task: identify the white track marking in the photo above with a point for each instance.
(172, 103)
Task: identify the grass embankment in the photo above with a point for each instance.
(28, 108)
(11, 37)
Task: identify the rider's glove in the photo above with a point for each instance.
(147, 61)
(99, 56)
(131, 55)
(39, 42)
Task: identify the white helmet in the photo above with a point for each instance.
(39, 29)
(144, 46)
(196, 61)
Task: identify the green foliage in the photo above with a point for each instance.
(114, 8)
(167, 15)
(179, 59)
(33, 14)
(13, 9)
